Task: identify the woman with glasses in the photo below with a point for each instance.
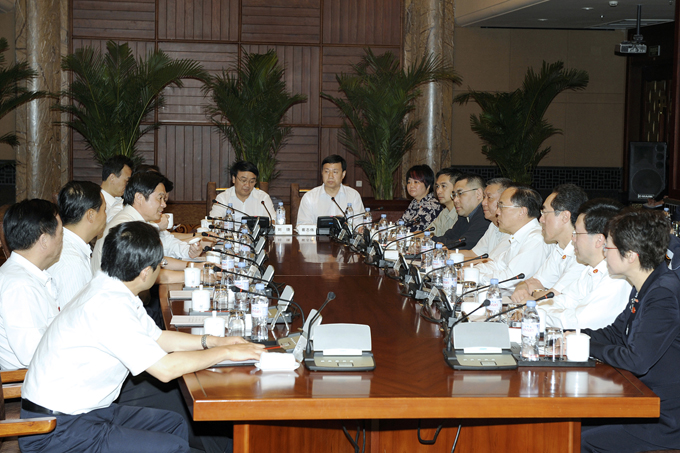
(424, 207)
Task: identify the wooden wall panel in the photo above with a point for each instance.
(187, 104)
(191, 156)
(285, 21)
(86, 168)
(139, 48)
(365, 22)
(205, 20)
(335, 61)
(114, 19)
(298, 162)
(301, 65)
(331, 145)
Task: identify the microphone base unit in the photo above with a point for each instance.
(317, 361)
(283, 230)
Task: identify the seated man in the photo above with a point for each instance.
(83, 212)
(596, 298)
(100, 337)
(493, 237)
(144, 200)
(560, 270)
(27, 293)
(645, 337)
(467, 195)
(116, 172)
(243, 195)
(318, 202)
(443, 188)
(518, 210)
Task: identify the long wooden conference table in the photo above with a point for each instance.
(524, 410)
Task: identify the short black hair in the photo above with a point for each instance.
(526, 197)
(154, 168)
(569, 197)
(597, 213)
(503, 182)
(129, 248)
(114, 165)
(76, 198)
(27, 220)
(144, 183)
(335, 159)
(422, 173)
(244, 165)
(472, 180)
(451, 172)
(644, 232)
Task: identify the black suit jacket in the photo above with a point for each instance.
(472, 231)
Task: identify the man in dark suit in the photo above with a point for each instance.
(467, 195)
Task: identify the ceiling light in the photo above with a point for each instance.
(542, 20)
(587, 8)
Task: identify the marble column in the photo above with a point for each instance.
(42, 158)
(428, 28)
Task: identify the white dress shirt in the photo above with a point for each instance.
(593, 301)
(560, 269)
(493, 242)
(526, 253)
(27, 307)
(113, 205)
(252, 206)
(86, 354)
(317, 203)
(73, 270)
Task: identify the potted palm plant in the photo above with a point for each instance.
(378, 96)
(512, 126)
(113, 95)
(13, 93)
(249, 103)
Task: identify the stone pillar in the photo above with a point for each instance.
(428, 28)
(43, 154)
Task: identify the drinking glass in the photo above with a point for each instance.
(553, 343)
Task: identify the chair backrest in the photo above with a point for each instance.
(296, 195)
(3, 241)
(211, 193)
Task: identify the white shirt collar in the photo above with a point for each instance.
(77, 242)
(525, 231)
(42, 276)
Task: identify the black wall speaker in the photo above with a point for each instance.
(646, 170)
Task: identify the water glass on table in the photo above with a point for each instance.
(554, 339)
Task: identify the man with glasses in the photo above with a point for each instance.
(518, 210)
(446, 179)
(596, 298)
(467, 197)
(489, 243)
(558, 216)
(243, 195)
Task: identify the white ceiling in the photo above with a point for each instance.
(566, 14)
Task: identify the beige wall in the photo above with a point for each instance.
(7, 122)
(591, 120)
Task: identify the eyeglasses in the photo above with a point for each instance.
(461, 192)
(574, 233)
(611, 248)
(549, 212)
(247, 181)
(502, 206)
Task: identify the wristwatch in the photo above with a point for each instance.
(164, 263)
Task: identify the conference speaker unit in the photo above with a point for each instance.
(646, 170)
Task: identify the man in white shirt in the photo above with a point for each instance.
(83, 212)
(144, 201)
(116, 172)
(558, 216)
(518, 210)
(493, 237)
(318, 202)
(27, 293)
(103, 335)
(595, 299)
(446, 179)
(243, 195)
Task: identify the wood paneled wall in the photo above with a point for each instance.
(314, 39)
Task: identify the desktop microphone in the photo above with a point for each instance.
(236, 289)
(449, 341)
(483, 256)
(264, 280)
(267, 210)
(460, 298)
(213, 227)
(408, 236)
(341, 210)
(329, 297)
(207, 248)
(550, 295)
(281, 307)
(231, 207)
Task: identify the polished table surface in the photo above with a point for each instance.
(411, 380)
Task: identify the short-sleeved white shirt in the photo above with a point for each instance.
(252, 206)
(27, 307)
(317, 203)
(87, 352)
(73, 270)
